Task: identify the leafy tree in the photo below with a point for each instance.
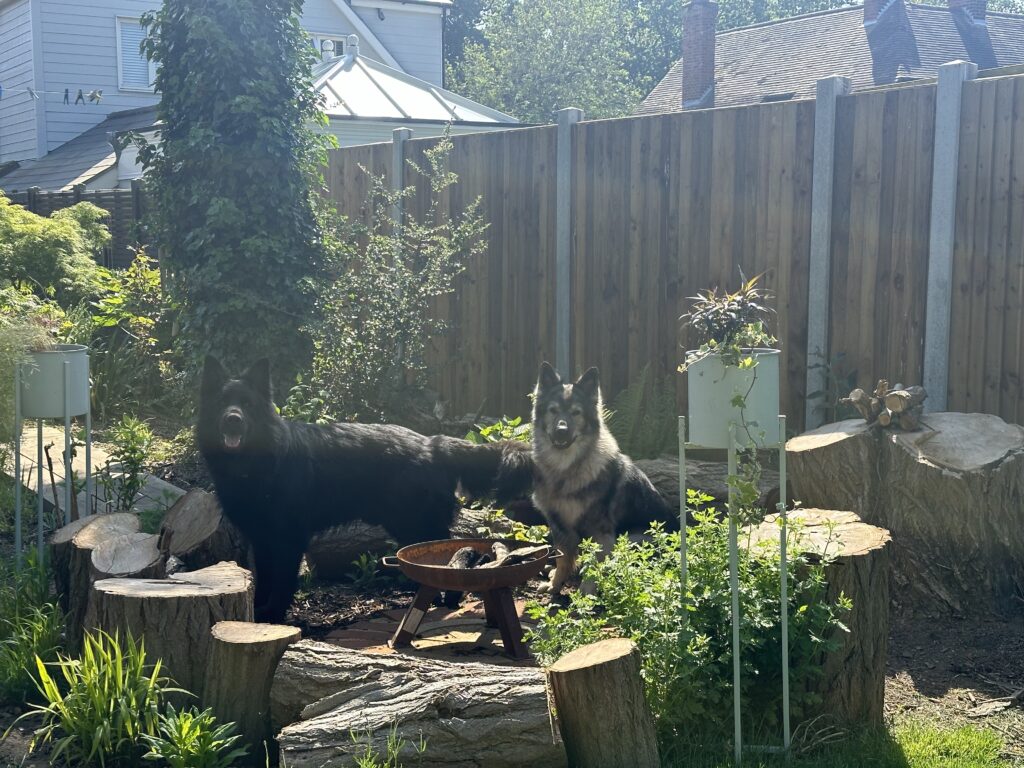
(231, 174)
(538, 56)
(52, 257)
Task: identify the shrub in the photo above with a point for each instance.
(375, 308)
(687, 664)
(30, 626)
(124, 476)
(55, 256)
(99, 707)
(188, 738)
(643, 417)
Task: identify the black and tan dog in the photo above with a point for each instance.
(583, 484)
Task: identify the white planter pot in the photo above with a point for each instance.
(43, 387)
(711, 388)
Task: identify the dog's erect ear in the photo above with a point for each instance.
(588, 383)
(258, 377)
(214, 375)
(548, 377)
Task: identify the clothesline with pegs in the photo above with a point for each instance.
(94, 95)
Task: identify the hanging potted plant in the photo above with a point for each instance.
(734, 374)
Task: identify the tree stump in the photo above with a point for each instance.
(240, 669)
(197, 532)
(602, 713)
(852, 686)
(131, 555)
(949, 494)
(75, 557)
(470, 714)
(331, 552)
(60, 557)
(833, 467)
(175, 615)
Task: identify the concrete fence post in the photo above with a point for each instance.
(399, 137)
(563, 239)
(829, 90)
(945, 164)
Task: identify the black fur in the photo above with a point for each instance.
(281, 482)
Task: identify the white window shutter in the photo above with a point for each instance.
(135, 68)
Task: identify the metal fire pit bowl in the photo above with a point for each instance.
(427, 564)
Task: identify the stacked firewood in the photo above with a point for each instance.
(898, 407)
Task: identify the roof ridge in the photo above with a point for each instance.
(847, 9)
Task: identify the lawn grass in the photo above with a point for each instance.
(912, 744)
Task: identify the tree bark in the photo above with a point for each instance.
(77, 555)
(240, 669)
(852, 684)
(602, 713)
(196, 532)
(949, 494)
(60, 557)
(175, 615)
(330, 553)
(834, 467)
(471, 715)
(131, 555)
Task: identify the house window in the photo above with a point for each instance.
(134, 71)
(319, 40)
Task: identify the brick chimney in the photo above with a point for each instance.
(975, 10)
(699, 53)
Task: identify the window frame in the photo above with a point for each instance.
(121, 85)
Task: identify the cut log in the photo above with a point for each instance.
(98, 529)
(196, 532)
(910, 421)
(131, 555)
(900, 400)
(834, 467)
(175, 615)
(331, 553)
(469, 714)
(711, 477)
(949, 494)
(866, 405)
(852, 686)
(240, 669)
(602, 712)
(953, 496)
(885, 417)
(60, 557)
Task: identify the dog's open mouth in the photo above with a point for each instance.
(563, 442)
(232, 442)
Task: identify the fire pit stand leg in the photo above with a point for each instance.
(411, 621)
(499, 604)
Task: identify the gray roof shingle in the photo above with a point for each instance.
(791, 55)
(81, 159)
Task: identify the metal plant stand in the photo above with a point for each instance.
(67, 412)
(734, 577)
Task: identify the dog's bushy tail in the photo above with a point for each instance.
(501, 471)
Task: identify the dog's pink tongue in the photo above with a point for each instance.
(232, 441)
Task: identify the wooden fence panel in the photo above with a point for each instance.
(987, 322)
(881, 214)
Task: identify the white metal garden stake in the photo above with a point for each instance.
(734, 578)
(17, 466)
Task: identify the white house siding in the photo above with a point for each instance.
(17, 109)
(80, 52)
(323, 17)
(413, 36)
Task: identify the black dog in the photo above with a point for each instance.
(281, 482)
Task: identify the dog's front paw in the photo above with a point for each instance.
(550, 587)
